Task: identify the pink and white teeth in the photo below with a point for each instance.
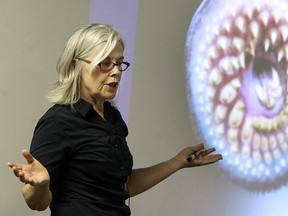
(237, 72)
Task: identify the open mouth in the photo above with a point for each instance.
(237, 69)
(113, 84)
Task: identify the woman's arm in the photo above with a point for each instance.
(36, 190)
(37, 197)
(143, 179)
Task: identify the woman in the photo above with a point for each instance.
(79, 162)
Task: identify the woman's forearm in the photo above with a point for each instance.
(143, 179)
(37, 197)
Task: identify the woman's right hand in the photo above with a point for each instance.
(33, 173)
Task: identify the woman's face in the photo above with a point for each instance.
(99, 86)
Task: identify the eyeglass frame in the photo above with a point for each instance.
(114, 64)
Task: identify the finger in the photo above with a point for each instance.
(214, 158)
(198, 147)
(16, 166)
(31, 182)
(27, 156)
(217, 157)
(207, 151)
(10, 164)
(23, 179)
(17, 172)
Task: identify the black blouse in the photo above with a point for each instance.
(87, 158)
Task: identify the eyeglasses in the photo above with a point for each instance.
(107, 65)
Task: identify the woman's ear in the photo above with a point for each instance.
(74, 63)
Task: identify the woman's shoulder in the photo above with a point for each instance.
(58, 112)
(57, 115)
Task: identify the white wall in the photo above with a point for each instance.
(32, 36)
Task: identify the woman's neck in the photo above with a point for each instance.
(99, 108)
(98, 105)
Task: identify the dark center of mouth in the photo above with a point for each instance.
(114, 84)
(270, 86)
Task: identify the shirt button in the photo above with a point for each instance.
(122, 168)
(116, 146)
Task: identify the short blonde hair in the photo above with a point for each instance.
(67, 89)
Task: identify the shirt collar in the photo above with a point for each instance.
(82, 107)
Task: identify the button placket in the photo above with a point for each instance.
(116, 140)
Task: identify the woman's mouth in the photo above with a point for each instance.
(113, 84)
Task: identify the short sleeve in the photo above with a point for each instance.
(51, 146)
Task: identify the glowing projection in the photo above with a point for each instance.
(237, 54)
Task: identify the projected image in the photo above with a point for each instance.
(237, 65)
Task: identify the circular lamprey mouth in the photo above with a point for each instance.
(237, 84)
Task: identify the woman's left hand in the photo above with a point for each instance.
(198, 156)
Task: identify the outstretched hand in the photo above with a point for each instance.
(198, 156)
(33, 173)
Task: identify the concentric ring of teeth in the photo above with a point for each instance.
(265, 125)
(228, 53)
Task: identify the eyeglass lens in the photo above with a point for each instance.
(108, 65)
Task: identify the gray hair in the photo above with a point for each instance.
(67, 89)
